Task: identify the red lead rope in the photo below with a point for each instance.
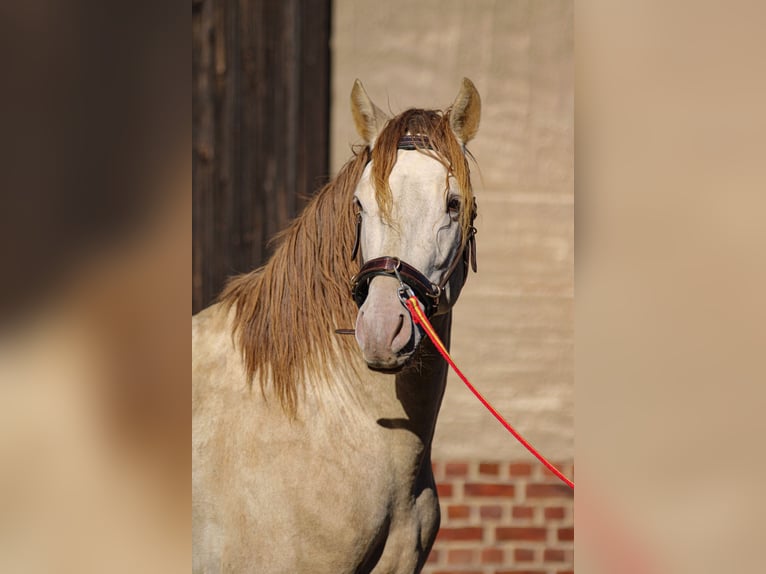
(420, 318)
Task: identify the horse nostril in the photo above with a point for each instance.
(398, 329)
(403, 342)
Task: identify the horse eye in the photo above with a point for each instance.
(453, 205)
(358, 205)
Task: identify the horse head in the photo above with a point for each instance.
(415, 211)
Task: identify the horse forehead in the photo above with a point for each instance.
(416, 181)
(416, 177)
(417, 165)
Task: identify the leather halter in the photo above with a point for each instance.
(428, 293)
(413, 142)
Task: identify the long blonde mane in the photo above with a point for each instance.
(286, 312)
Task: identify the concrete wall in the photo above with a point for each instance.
(513, 328)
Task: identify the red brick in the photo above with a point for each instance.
(520, 533)
(458, 511)
(555, 513)
(553, 555)
(460, 556)
(433, 557)
(491, 556)
(444, 489)
(520, 469)
(436, 468)
(457, 572)
(523, 555)
(489, 468)
(463, 533)
(523, 512)
(519, 572)
(566, 534)
(549, 491)
(490, 511)
(564, 571)
(496, 489)
(453, 469)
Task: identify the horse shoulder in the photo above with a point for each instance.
(216, 373)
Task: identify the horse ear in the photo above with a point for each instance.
(466, 112)
(368, 117)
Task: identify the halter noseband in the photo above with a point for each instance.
(429, 294)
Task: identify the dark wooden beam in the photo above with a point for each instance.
(261, 89)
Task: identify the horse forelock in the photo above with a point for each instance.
(286, 312)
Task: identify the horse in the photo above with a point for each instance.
(311, 448)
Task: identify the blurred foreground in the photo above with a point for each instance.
(95, 410)
(95, 221)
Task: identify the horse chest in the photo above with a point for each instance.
(308, 505)
(408, 511)
(398, 520)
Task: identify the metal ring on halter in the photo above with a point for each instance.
(405, 292)
(396, 270)
(437, 293)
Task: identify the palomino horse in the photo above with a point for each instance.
(310, 456)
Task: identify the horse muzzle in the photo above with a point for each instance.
(385, 331)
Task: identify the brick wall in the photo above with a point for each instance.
(503, 518)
